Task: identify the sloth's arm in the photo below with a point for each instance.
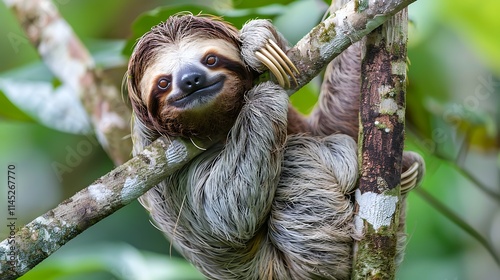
(240, 188)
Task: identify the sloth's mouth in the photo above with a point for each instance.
(210, 89)
(200, 95)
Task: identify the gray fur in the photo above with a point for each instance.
(264, 204)
(337, 112)
(216, 209)
(254, 35)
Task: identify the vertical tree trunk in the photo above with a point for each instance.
(381, 141)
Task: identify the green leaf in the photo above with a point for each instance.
(42, 97)
(259, 3)
(33, 93)
(120, 260)
(12, 112)
(212, 4)
(299, 18)
(145, 21)
(107, 53)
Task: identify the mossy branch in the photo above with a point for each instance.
(381, 143)
(70, 61)
(43, 236)
(47, 233)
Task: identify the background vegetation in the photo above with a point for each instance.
(453, 120)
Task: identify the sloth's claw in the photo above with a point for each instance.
(409, 178)
(278, 63)
(272, 67)
(283, 56)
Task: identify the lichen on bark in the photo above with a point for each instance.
(381, 142)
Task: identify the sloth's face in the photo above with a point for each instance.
(190, 74)
(194, 87)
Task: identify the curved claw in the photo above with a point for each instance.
(283, 55)
(282, 59)
(269, 64)
(278, 63)
(277, 67)
(409, 178)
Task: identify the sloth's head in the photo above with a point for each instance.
(186, 77)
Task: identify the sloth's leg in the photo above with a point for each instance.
(337, 109)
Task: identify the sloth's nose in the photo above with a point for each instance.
(191, 80)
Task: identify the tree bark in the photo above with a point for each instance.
(47, 233)
(43, 236)
(347, 25)
(68, 59)
(381, 142)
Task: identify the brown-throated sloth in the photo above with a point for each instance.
(263, 203)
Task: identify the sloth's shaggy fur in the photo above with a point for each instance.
(273, 200)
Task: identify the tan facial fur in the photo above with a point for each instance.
(175, 111)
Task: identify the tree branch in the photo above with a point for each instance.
(40, 238)
(43, 236)
(69, 60)
(381, 142)
(347, 25)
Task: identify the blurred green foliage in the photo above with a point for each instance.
(452, 120)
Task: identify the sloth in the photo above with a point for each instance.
(273, 198)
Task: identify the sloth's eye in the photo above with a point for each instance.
(211, 60)
(163, 83)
